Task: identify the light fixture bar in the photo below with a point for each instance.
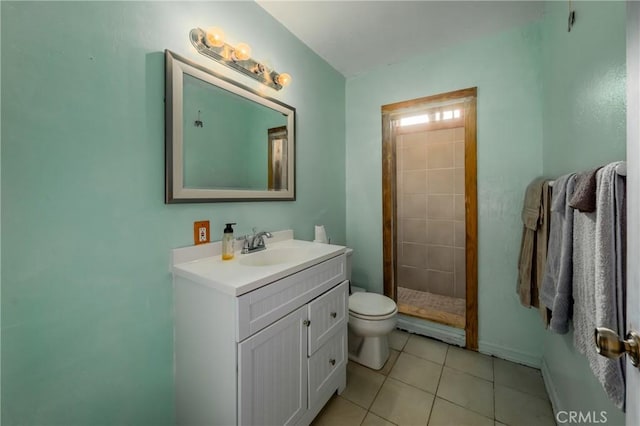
(234, 58)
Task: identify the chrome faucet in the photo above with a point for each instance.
(255, 242)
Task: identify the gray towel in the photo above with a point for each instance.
(599, 285)
(556, 284)
(584, 196)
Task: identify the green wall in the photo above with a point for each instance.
(506, 70)
(584, 86)
(584, 126)
(86, 292)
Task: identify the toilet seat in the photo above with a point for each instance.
(373, 317)
(371, 306)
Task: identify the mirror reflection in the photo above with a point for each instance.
(228, 141)
(224, 141)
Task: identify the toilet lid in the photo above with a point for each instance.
(371, 304)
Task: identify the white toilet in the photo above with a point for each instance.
(371, 318)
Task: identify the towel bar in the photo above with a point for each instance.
(621, 169)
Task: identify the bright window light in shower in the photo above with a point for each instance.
(416, 119)
(456, 113)
(447, 115)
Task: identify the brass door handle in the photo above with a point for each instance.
(608, 344)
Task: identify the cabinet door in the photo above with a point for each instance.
(272, 373)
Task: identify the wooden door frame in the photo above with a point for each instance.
(389, 205)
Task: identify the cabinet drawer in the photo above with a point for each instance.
(326, 363)
(327, 313)
(264, 306)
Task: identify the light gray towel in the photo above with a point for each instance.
(584, 269)
(599, 285)
(556, 284)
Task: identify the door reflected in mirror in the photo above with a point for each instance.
(277, 158)
(224, 141)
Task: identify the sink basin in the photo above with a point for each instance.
(273, 256)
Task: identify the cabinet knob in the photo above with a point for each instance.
(332, 361)
(333, 314)
(306, 322)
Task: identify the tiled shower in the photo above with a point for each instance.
(431, 220)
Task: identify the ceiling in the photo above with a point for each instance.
(357, 36)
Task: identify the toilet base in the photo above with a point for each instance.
(371, 352)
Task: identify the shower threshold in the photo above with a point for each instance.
(433, 307)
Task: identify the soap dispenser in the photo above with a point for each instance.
(227, 242)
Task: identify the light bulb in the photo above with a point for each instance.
(215, 37)
(284, 79)
(242, 52)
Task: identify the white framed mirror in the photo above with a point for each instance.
(224, 141)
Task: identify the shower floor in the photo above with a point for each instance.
(433, 307)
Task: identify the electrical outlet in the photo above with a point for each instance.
(201, 233)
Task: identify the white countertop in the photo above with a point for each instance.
(235, 278)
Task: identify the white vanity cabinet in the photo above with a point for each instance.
(271, 356)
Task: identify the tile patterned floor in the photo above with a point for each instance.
(427, 382)
(432, 301)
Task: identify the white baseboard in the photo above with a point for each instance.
(456, 336)
(509, 354)
(551, 388)
(451, 335)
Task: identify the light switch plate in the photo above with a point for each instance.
(201, 233)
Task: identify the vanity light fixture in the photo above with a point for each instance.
(211, 44)
(215, 37)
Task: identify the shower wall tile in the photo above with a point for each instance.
(441, 282)
(458, 177)
(441, 136)
(440, 155)
(414, 158)
(459, 207)
(414, 139)
(413, 278)
(413, 231)
(440, 181)
(440, 232)
(439, 258)
(440, 207)
(458, 134)
(431, 228)
(459, 154)
(460, 272)
(413, 255)
(414, 206)
(414, 181)
(460, 234)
